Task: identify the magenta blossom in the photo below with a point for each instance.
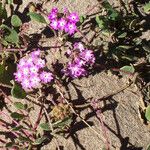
(62, 23)
(73, 17)
(81, 59)
(18, 76)
(30, 72)
(52, 16)
(70, 28)
(40, 62)
(88, 56)
(54, 10)
(67, 22)
(35, 81)
(26, 84)
(46, 77)
(75, 71)
(54, 24)
(79, 46)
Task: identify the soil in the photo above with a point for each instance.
(124, 126)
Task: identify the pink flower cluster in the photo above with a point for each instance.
(82, 58)
(66, 23)
(30, 72)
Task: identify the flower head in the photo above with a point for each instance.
(70, 28)
(46, 77)
(74, 70)
(67, 22)
(88, 56)
(73, 17)
(54, 24)
(30, 72)
(22, 63)
(26, 84)
(62, 23)
(18, 76)
(40, 62)
(81, 59)
(35, 53)
(35, 81)
(79, 46)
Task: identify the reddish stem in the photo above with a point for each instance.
(24, 131)
(100, 117)
(38, 119)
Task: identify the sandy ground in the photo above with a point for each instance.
(125, 129)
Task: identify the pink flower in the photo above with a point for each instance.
(35, 81)
(40, 62)
(70, 28)
(46, 77)
(54, 24)
(18, 76)
(29, 62)
(79, 46)
(79, 62)
(68, 52)
(22, 63)
(25, 71)
(88, 56)
(34, 70)
(35, 53)
(53, 14)
(54, 10)
(62, 23)
(73, 17)
(26, 84)
(30, 72)
(75, 70)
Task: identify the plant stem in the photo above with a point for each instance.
(77, 113)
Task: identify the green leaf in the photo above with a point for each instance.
(146, 48)
(40, 140)
(82, 18)
(62, 123)
(129, 69)
(18, 92)
(148, 148)
(106, 33)
(12, 37)
(147, 113)
(2, 70)
(37, 17)
(10, 144)
(125, 46)
(3, 12)
(6, 72)
(10, 1)
(17, 128)
(146, 7)
(19, 105)
(100, 21)
(16, 115)
(123, 35)
(24, 139)
(113, 15)
(106, 5)
(16, 21)
(45, 126)
(4, 42)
